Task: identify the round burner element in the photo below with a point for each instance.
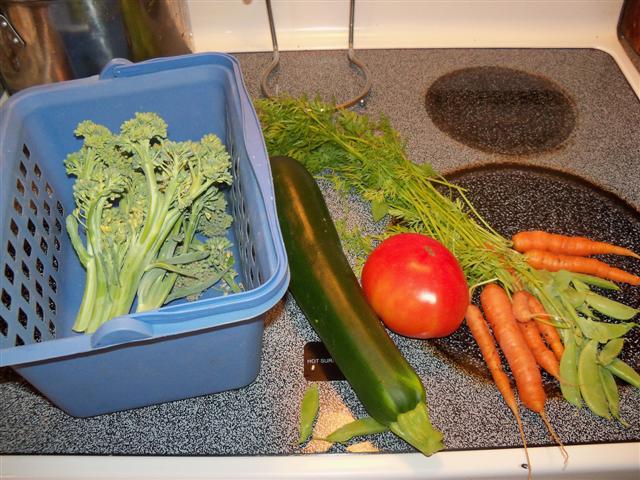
(501, 110)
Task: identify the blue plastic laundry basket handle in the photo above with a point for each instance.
(182, 318)
(121, 330)
(111, 69)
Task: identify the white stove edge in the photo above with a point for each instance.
(235, 26)
(611, 461)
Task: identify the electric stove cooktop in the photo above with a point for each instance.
(541, 138)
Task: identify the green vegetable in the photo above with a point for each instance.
(595, 281)
(330, 296)
(603, 331)
(589, 376)
(150, 215)
(357, 428)
(569, 371)
(367, 157)
(611, 393)
(623, 371)
(609, 307)
(308, 412)
(610, 351)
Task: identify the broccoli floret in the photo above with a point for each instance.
(150, 218)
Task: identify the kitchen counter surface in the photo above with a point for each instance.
(604, 148)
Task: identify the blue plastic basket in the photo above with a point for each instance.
(184, 349)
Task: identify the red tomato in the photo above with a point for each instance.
(416, 286)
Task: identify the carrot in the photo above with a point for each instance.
(544, 357)
(497, 308)
(480, 331)
(564, 244)
(548, 331)
(520, 306)
(554, 262)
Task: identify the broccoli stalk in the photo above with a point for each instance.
(142, 200)
(201, 264)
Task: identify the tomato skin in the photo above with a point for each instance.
(416, 286)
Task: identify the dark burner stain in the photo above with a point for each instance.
(513, 197)
(501, 110)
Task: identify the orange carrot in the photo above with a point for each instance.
(520, 306)
(544, 357)
(480, 331)
(548, 331)
(564, 244)
(497, 308)
(554, 262)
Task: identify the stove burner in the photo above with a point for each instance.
(501, 110)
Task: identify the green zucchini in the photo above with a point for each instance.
(326, 289)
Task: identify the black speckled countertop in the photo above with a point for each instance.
(261, 419)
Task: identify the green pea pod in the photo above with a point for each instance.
(609, 307)
(585, 310)
(357, 428)
(576, 299)
(551, 290)
(615, 330)
(562, 279)
(611, 393)
(583, 279)
(569, 370)
(589, 328)
(610, 351)
(625, 372)
(581, 286)
(589, 378)
(308, 412)
(602, 331)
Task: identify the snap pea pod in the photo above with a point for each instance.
(576, 299)
(581, 294)
(585, 310)
(308, 412)
(583, 278)
(611, 393)
(609, 307)
(625, 372)
(561, 280)
(589, 377)
(603, 331)
(569, 371)
(357, 428)
(610, 351)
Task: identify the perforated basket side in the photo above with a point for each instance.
(244, 191)
(30, 259)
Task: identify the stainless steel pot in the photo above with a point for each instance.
(44, 41)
